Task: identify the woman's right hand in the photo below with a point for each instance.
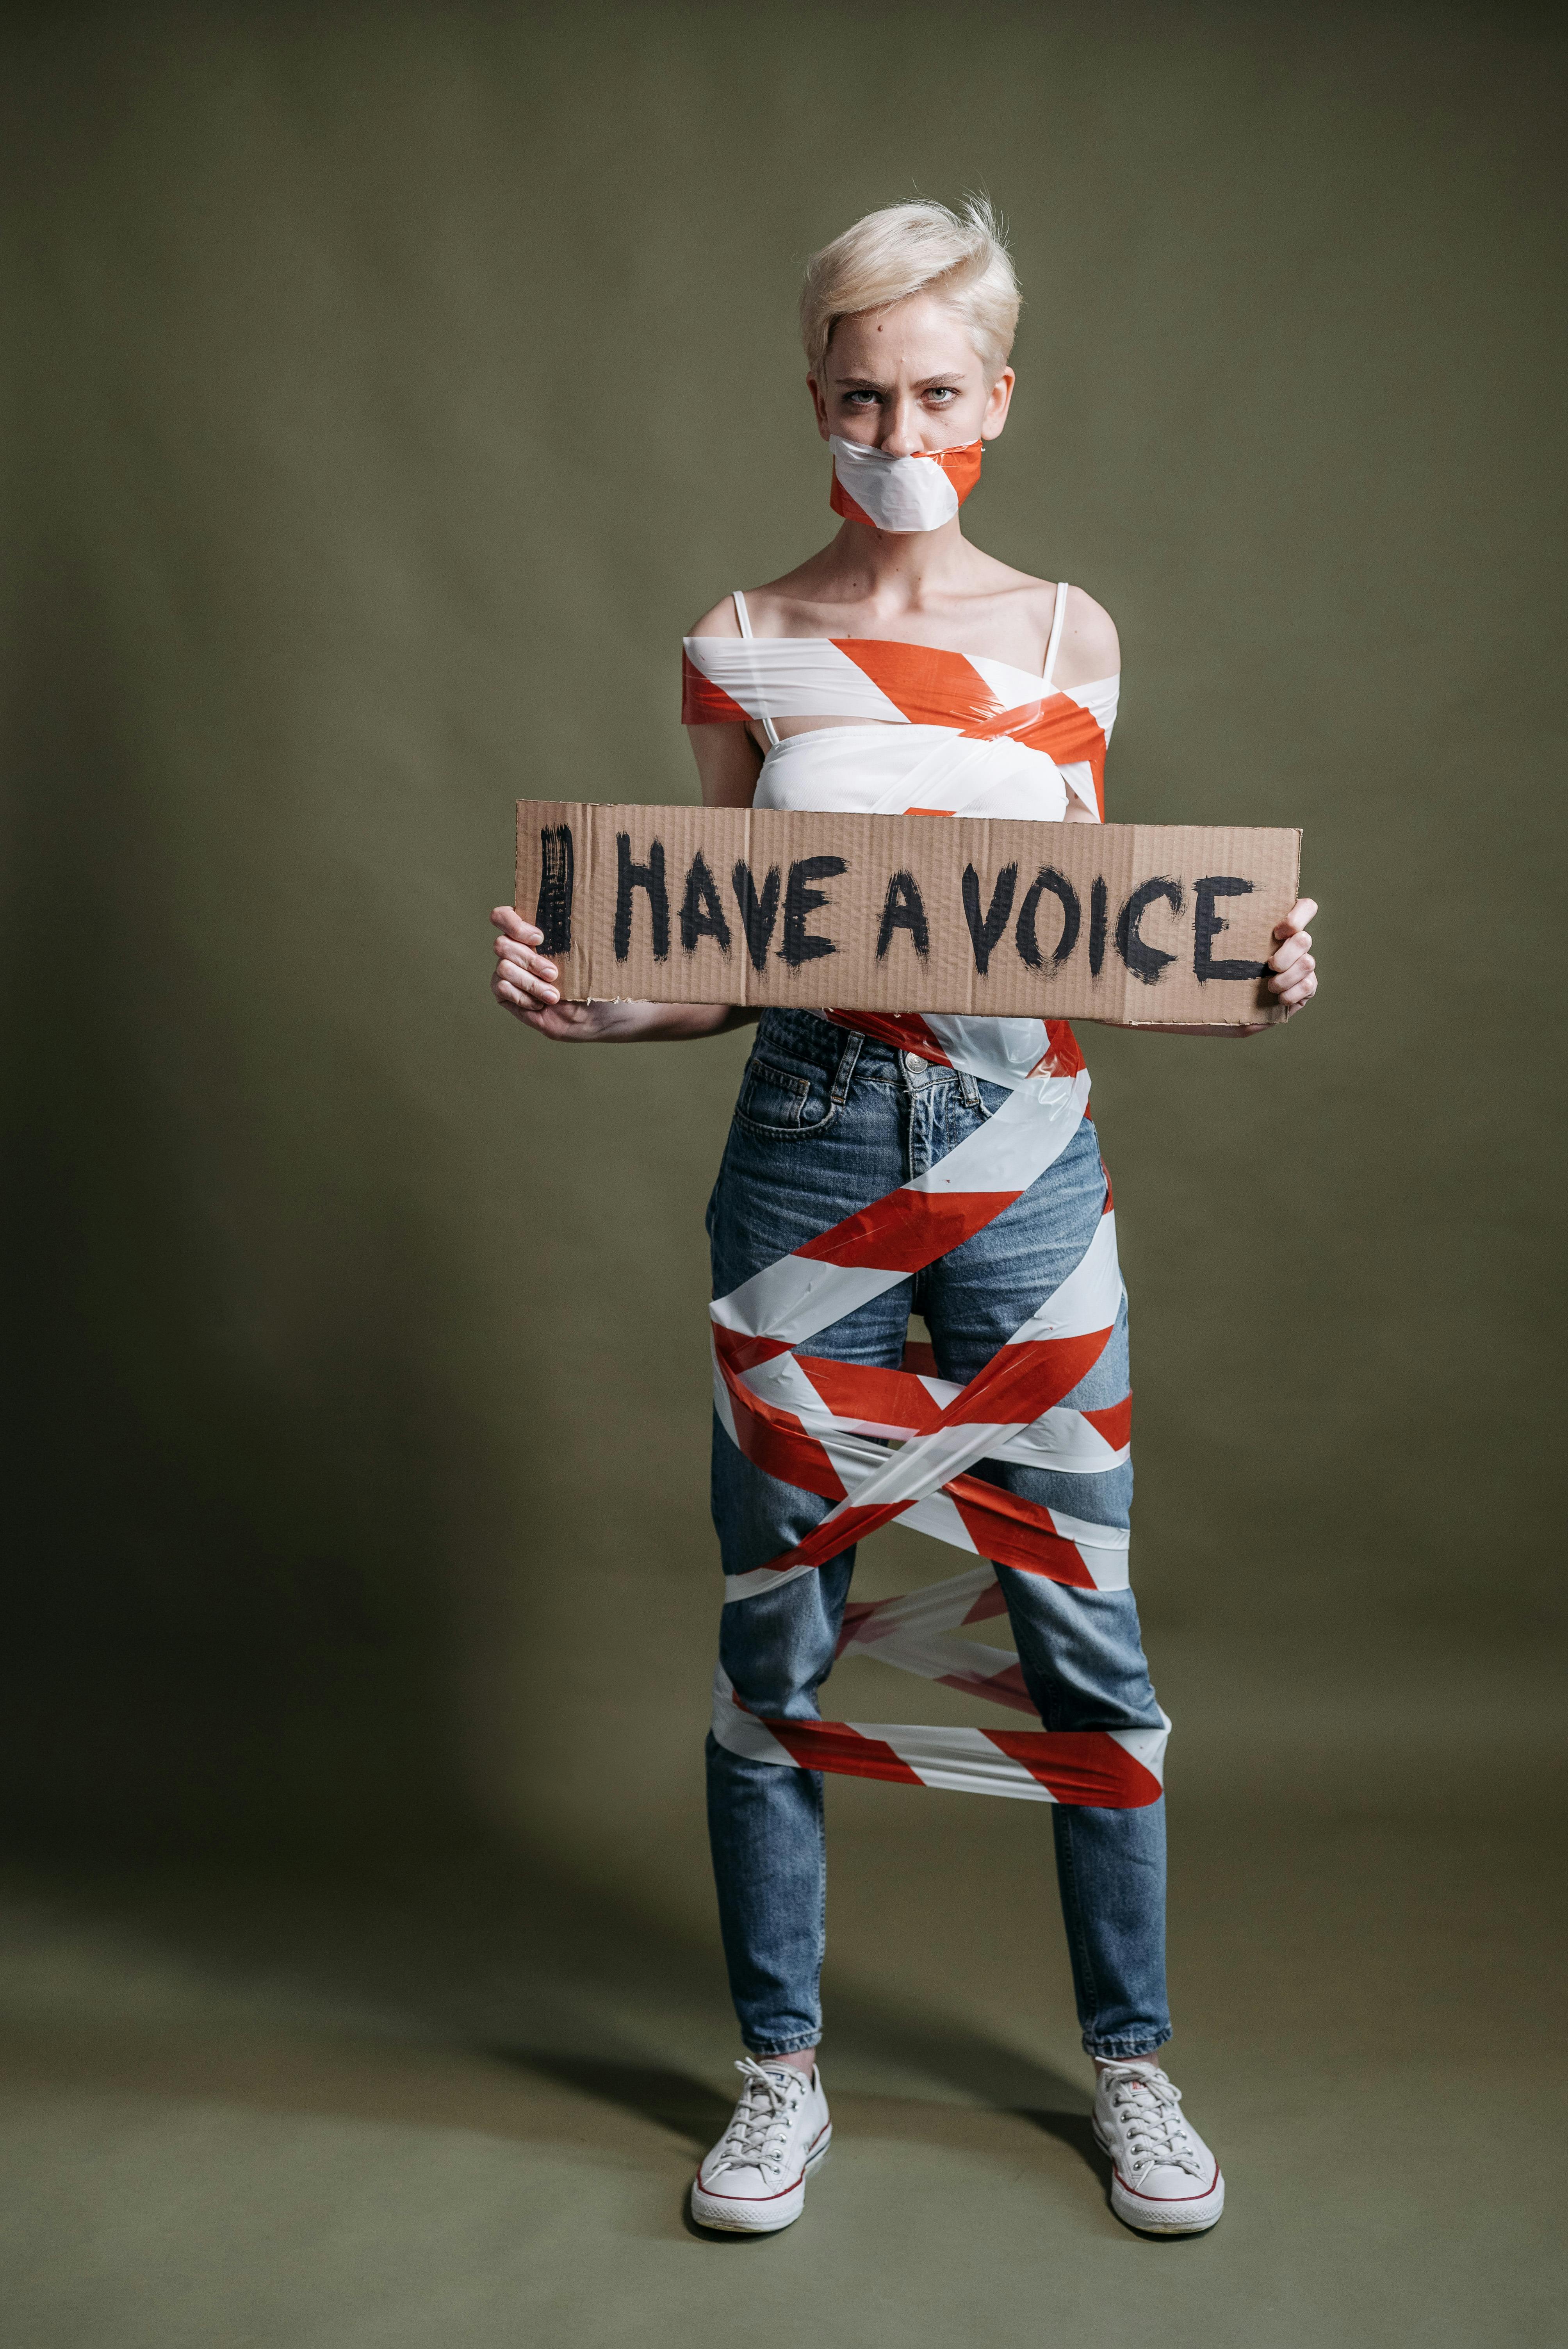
(523, 983)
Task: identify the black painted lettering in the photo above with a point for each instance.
(553, 913)
(702, 915)
(1207, 926)
(757, 913)
(986, 929)
(800, 900)
(903, 908)
(1024, 937)
(1095, 927)
(651, 877)
(1144, 961)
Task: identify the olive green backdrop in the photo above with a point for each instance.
(393, 387)
(388, 393)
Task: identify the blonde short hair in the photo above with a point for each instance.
(916, 248)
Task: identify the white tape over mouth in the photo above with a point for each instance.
(897, 493)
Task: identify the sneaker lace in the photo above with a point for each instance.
(1149, 2108)
(756, 2136)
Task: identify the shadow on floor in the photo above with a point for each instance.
(1073, 2130)
(485, 1953)
(674, 2101)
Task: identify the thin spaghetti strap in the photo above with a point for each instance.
(744, 617)
(1057, 617)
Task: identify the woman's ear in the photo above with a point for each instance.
(823, 426)
(997, 404)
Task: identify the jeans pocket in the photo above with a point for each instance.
(780, 1103)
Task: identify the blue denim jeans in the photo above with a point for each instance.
(827, 1122)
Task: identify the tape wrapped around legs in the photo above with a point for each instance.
(899, 1445)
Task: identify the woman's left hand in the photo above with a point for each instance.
(1295, 979)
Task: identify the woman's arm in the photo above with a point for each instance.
(727, 764)
(1089, 649)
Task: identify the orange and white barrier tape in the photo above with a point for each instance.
(917, 492)
(826, 1427)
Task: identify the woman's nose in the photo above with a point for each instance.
(902, 438)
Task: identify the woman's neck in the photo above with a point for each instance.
(895, 572)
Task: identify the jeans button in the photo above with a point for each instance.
(912, 1064)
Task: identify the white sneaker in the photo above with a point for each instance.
(754, 2181)
(1164, 2179)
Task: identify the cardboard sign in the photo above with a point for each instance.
(1149, 924)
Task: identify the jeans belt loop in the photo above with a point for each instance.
(968, 1090)
(854, 1039)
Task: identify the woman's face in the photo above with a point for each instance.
(908, 380)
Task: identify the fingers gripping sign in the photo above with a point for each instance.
(523, 983)
(1295, 972)
(524, 978)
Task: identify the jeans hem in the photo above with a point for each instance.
(782, 2046)
(1121, 2050)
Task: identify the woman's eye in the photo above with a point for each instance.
(941, 392)
(860, 398)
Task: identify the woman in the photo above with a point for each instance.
(901, 670)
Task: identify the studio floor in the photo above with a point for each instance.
(458, 2100)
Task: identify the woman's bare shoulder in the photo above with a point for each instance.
(1088, 648)
(720, 622)
(1091, 648)
(783, 607)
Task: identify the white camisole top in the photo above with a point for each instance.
(959, 734)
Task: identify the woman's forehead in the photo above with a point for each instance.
(923, 335)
